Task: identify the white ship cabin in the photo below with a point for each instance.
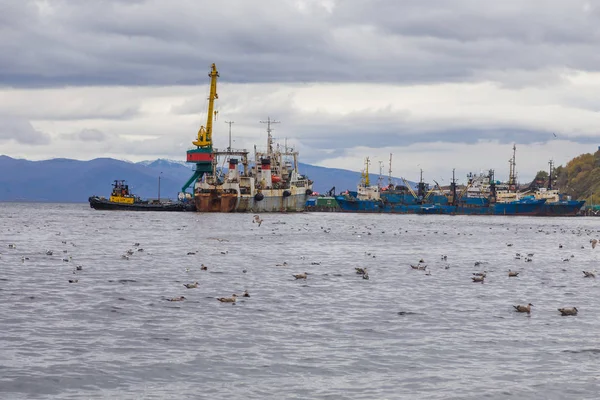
(367, 192)
(551, 195)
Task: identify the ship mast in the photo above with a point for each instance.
(380, 179)
(269, 137)
(551, 163)
(205, 134)
(365, 174)
(390, 172)
(512, 181)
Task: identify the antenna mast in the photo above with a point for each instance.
(390, 171)
(269, 130)
(550, 175)
(512, 181)
(229, 123)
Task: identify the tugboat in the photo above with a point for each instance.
(122, 199)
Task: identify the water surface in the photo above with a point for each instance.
(401, 334)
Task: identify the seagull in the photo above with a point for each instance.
(589, 274)
(512, 273)
(180, 298)
(191, 285)
(257, 220)
(228, 299)
(568, 311)
(526, 308)
(300, 276)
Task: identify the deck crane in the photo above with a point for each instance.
(202, 155)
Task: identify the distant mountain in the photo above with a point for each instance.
(66, 180)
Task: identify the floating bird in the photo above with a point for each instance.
(191, 285)
(513, 273)
(79, 267)
(560, 246)
(180, 298)
(228, 299)
(136, 244)
(125, 257)
(246, 294)
(477, 263)
(203, 267)
(419, 267)
(257, 220)
(568, 311)
(589, 274)
(478, 279)
(526, 308)
(12, 246)
(594, 243)
(281, 265)
(361, 271)
(366, 276)
(140, 250)
(300, 276)
(73, 280)
(129, 252)
(190, 253)
(49, 252)
(444, 258)
(482, 274)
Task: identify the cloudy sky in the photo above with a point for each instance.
(441, 84)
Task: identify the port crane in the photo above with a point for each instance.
(202, 155)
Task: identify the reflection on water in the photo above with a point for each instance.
(400, 334)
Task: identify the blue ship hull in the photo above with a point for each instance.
(471, 207)
(562, 208)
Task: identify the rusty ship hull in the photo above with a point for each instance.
(267, 200)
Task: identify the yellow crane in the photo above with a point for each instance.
(205, 134)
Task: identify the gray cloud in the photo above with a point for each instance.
(118, 42)
(21, 131)
(91, 135)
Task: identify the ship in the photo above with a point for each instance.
(481, 196)
(557, 204)
(270, 182)
(122, 199)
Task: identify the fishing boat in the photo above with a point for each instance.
(269, 183)
(557, 204)
(122, 199)
(481, 196)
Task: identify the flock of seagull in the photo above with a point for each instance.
(478, 277)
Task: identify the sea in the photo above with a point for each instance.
(401, 334)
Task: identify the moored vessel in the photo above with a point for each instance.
(122, 199)
(271, 184)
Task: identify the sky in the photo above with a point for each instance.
(439, 84)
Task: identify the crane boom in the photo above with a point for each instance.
(205, 134)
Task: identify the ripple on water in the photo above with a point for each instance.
(400, 334)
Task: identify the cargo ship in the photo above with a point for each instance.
(122, 199)
(271, 184)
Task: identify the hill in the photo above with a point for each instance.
(580, 177)
(66, 180)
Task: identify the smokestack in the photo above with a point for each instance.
(265, 166)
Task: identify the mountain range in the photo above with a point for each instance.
(66, 180)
